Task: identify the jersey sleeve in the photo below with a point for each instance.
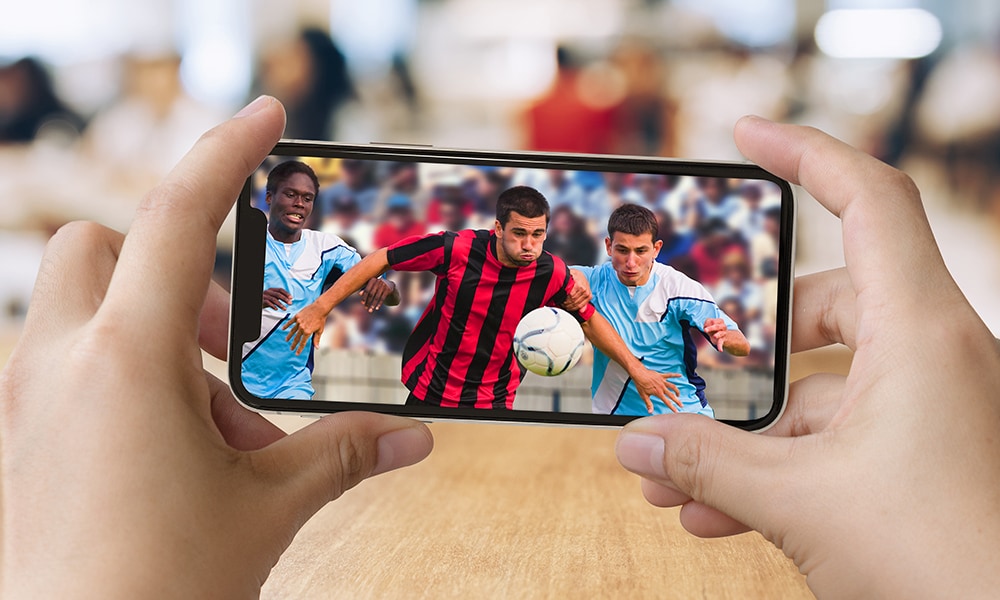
(336, 256)
(419, 252)
(697, 310)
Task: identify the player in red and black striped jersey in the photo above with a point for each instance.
(461, 352)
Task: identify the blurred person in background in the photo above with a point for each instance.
(400, 222)
(676, 244)
(309, 74)
(715, 241)
(563, 120)
(358, 182)
(28, 102)
(568, 238)
(644, 119)
(155, 121)
(344, 220)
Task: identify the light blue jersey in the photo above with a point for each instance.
(270, 368)
(656, 321)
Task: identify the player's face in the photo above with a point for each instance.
(520, 243)
(291, 204)
(632, 256)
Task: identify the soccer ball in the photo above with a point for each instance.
(548, 341)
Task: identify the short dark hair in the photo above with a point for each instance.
(525, 201)
(633, 220)
(283, 171)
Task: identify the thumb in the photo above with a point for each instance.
(323, 460)
(706, 461)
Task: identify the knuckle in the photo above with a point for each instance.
(355, 462)
(690, 464)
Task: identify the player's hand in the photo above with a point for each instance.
(277, 298)
(716, 330)
(651, 384)
(128, 471)
(375, 293)
(305, 325)
(867, 480)
(580, 295)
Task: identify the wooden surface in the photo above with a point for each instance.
(513, 511)
(506, 511)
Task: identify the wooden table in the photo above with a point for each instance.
(512, 511)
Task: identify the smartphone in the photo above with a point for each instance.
(460, 247)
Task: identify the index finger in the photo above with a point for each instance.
(177, 223)
(878, 205)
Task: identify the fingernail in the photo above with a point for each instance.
(641, 453)
(261, 102)
(401, 448)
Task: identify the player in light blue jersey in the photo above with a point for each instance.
(297, 263)
(655, 309)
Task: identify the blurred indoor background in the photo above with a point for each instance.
(98, 99)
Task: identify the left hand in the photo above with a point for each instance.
(717, 332)
(124, 463)
(375, 293)
(650, 383)
(307, 324)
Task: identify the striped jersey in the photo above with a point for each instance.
(656, 320)
(270, 368)
(461, 353)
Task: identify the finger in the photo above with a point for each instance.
(316, 337)
(812, 403)
(728, 469)
(323, 460)
(823, 311)
(699, 519)
(707, 522)
(177, 224)
(72, 279)
(242, 428)
(663, 496)
(878, 205)
(213, 330)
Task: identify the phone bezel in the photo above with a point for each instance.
(247, 274)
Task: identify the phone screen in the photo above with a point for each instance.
(699, 261)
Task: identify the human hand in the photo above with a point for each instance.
(650, 383)
(885, 483)
(306, 324)
(127, 471)
(580, 295)
(277, 298)
(716, 330)
(376, 292)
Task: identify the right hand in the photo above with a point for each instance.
(306, 324)
(885, 483)
(277, 298)
(580, 295)
(651, 384)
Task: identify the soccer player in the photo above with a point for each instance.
(298, 262)
(653, 307)
(460, 354)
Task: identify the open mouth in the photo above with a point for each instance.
(294, 217)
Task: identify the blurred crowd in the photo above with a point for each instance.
(632, 93)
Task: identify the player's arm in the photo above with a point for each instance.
(308, 322)
(730, 341)
(648, 383)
